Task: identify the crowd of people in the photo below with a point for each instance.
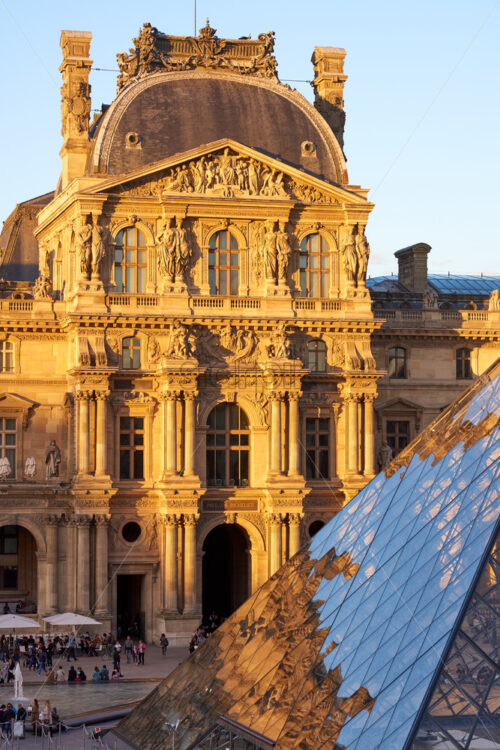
(204, 631)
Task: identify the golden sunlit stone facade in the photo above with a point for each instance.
(197, 343)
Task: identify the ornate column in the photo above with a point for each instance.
(101, 564)
(71, 558)
(275, 399)
(189, 563)
(294, 533)
(294, 444)
(51, 525)
(101, 428)
(190, 406)
(170, 431)
(352, 434)
(83, 565)
(369, 434)
(274, 522)
(170, 563)
(82, 398)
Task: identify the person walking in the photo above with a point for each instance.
(129, 645)
(71, 645)
(141, 650)
(163, 644)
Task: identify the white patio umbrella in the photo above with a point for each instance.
(71, 618)
(15, 622)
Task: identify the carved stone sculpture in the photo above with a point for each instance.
(30, 467)
(52, 460)
(284, 251)
(154, 51)
(75, 109)
(279, 344)
(363, 254)
(99, 236)
(494, 300)
(42, 288)
(173, 251)
(384, 455)
(350, 258)
(270, 252)
(179, 345)
(84, 247)
(430, 299)
(5, 467)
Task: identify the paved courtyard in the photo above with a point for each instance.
(88, 700)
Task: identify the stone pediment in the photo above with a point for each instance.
(12, 404)
(226, 169)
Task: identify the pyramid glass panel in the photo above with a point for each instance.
(382, 632)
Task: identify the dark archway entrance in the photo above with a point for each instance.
(18, 570)
(130, 615)
(225, 570)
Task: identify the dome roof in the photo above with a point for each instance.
(169, 113)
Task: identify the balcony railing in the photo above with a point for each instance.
(434, 317)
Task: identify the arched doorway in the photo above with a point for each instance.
(225, 570)
(18, 570)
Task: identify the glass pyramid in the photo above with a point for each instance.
(381, 633)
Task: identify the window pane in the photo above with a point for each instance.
(124, 423)
(138, 465)
(138, 423)
(244, 455)
(138, 438)
(234, 282)
(10, 577)
(118, 255)
(141, 240)
(220, 467)
(324, 424)
(124, 465)
(130, 280)
(222, 282)
(130, 236)
(310, 424)
(125, 438)
(310, 465)
(323, 464)
(314, 286)
(119, 278)
(223, 240)
(10, 424)
(220, 417)
(313, 243)
(119, 238)
(234, 244)
(10, 439)
(10, 453)
(136, 360)
(222, 259)
(141, 280)
(211, 281)
(130, 256)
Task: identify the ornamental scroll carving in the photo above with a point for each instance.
(154, 51)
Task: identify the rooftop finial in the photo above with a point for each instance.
(207, 32)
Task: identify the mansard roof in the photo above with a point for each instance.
(166, 113)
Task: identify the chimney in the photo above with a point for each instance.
(328, 87)
(75, 103)
(412, 266)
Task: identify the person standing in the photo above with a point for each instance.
(128, 648)
(141, 650)
(163, 644)
(71, 645)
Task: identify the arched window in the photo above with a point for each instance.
(130, 261)
(6, 356)
(228, 447)
(464, 369)
(314, 266)
(131, 353)
(397, 362)
(223, 263)
(317, 355)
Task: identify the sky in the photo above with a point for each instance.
(422, 103)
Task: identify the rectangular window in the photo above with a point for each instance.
(397, 435)
(8, 576)
(8, 438)
(464, 369)
(8, 540)
(317, 448)
(6, 356)
(131, 447)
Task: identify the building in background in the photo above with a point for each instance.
(189, 357)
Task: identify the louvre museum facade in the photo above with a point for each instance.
(196, 373)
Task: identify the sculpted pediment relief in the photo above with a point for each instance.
(230, 170)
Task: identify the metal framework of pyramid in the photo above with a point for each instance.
(383, 632)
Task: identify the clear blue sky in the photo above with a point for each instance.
(422, 102)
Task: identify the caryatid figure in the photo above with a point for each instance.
(350, 258)
(85, 249)
(284, 251)
(363, 253)
(98, 246)
(166, 244)
(270, 252)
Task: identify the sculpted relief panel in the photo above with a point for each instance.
(229, 175)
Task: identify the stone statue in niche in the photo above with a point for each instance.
(174, 251)
(5, 468)
(52, 460)
(84, 245)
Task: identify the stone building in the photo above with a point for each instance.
(188, 385)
